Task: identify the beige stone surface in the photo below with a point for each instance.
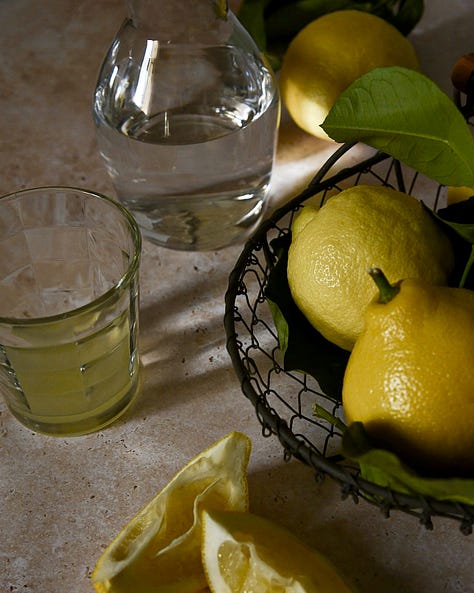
(62, 500)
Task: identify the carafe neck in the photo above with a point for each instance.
(175, 21)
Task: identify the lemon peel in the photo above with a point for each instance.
(159, 550)
(457, 194)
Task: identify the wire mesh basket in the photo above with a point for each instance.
(284, 401)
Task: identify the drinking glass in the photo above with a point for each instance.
(69, 293)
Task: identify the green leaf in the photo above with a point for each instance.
(286, 21)
(320, 412)
(458, 222)
(408, 15)
(303, 348)
(467, 278)
(251, 15)
(385, 469)
(460, 217)
(274, 23)
(403, 113)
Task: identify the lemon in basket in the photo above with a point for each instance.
(159, 550)
(459, 194)
(246, 552)
(410, 376)
(328, 54)
(360, 228)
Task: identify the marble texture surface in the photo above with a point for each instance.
(62, 500)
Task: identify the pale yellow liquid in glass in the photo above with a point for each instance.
(75, 384)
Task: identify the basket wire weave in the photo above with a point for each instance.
(283, 400)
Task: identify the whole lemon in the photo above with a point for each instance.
(459, 194)
(327, 55)
(362, 227)
(410, 377)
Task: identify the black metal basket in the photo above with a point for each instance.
(283, 400)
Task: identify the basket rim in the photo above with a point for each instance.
(424, 507)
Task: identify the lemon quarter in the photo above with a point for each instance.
(159, 550)
(327, 55)
(244, 552)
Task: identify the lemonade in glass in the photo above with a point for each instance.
(69, 293)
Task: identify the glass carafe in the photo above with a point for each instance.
(186, 111)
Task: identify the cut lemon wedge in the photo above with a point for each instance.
(243, 552)
(159, 550)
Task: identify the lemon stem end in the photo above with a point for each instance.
(387, 291)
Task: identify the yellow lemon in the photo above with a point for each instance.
(410, 377)
(327, 55)
(159, 550)
(459, 194)
(244, 552)
(360, 228)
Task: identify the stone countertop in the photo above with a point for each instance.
(64, 499)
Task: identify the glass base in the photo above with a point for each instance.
(71, 426)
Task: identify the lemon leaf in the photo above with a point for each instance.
(467, 279)
(460, 217)
(407, 16)
(385, 469)
(458, 221)
(273, 23)
(403, 113)
(251, 15)
(320, 412)
(285, 21)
